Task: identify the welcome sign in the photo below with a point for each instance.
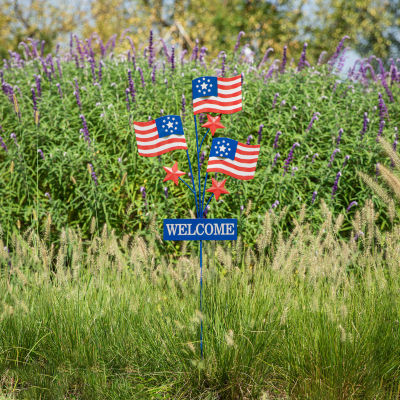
(200, 229)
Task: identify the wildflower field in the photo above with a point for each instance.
(93, 304)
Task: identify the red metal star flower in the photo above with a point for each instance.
(213, 123)
(173, 173)
(217, 188)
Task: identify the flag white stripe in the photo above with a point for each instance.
(220, 99)
(160, 148)
(233, 170)
(144, 128)
(234, 163)
(160, 140)
(229, 91)
(147, 135)
(247, 149)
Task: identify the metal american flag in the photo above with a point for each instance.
(160, 136)
(219, 95)
(233, 158)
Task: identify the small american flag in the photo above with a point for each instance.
(233, 158)
(219, 95)
(160, 136)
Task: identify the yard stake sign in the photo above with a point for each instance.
(227, 156)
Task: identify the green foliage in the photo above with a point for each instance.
(75, 199)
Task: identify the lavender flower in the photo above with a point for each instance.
(277, 155)
(100, 72)
(302, 61)
(59, 68)
(128, 105)
(40, 152)
(153, 74)
(205, 212)
(335, 185)
(275, 145)
(47, 194)
(166, 192)
(365, 125)
(85, 129)
(172, 59)
(141, 77)
(151, 49)
(222, 54)
(195, 51)
(313, 157)
(93, 174)
(131, 86)
(3, 145)
(345, 160)
(338, 50)
(38, 85)
(313, 118)
(314, 195)
(13, 136)
(289, 158)
(353, 203)
(274, 205)
(183, 53)
(274, 101)
(339, 136)
(202, 54)
(249, 139)
(183, 107)
(259, 134)
(77, 95)
(294, 169)
(284, 60)
(241, 33)
(333, 157)
(381, 126)
(265, 57)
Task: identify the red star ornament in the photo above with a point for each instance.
(217, 188)
(173, 173)
(213, 123)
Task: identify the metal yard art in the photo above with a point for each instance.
(228, 156)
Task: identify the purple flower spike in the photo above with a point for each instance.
(153, 74)
(259, 134)
(195, 51)
(151, 49)
(183, 107)
(274, 205)
(302, 61)
(183, 56)
(353, 203)
(13, 136)
(202, 55)
(93, 174)
(166, 192)
(333, 157)
(335, 185)
(314, 118)
(128, 105)
(131, 86)
(274, 101)
(3, 145)
(205, 212)
(40, 152)
(314, 156)
(289, 158)
(264, 59)
(345, 160)
(339, 138)
(38, 85)
(275, 145)
(338, 50)
(365, 125)
(47, 194)
(241, 33)
(33, 92)
(314, 195)
(85, 129)
(249, 139)
(277, 155)
(172, 59)
(141, 77)
(284, 60)
(222, 54)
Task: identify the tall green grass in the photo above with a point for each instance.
(309, 316)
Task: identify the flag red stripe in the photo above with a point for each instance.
(217, 102)
(235, 167)
(151, 130)
(233, 175)
(211, 109)
(229, 79)
(227, 96)
(155, 146)
(144, 123)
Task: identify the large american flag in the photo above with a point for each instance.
(160, 136)
(219, 95)
(233, 158)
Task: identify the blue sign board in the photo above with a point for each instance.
(200, 229)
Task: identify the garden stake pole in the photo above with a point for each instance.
(194, 187)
